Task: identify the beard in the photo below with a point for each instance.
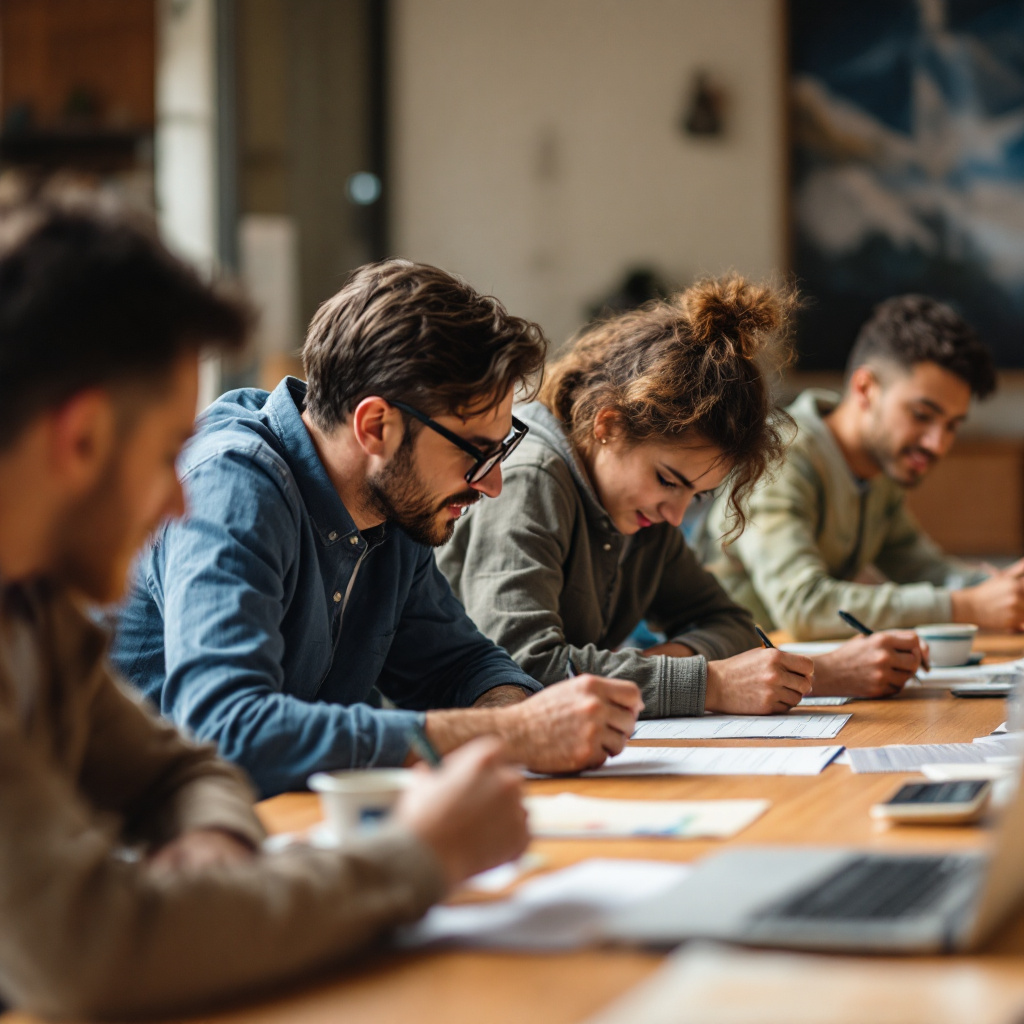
(398, 496)
(890, 461)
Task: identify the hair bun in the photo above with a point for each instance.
(736, 317)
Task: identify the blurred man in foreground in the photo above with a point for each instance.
(130, 875)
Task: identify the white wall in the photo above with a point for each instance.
(536, 148)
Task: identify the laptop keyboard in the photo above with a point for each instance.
(872, 889)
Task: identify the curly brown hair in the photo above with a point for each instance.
(693, 367)
(413, 333)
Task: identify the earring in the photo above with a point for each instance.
(604, 440)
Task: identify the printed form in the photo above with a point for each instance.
(735, 727)
(717, 761)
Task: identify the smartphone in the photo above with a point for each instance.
(982, 690)
(940, 803)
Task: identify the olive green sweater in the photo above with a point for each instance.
(543, 572)
(814, 529)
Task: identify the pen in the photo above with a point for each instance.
(572, 669)
(422, 746)
(764, 637)
(855, 623)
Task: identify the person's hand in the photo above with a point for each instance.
(572, 725)
(469, 811)
(998, 603)
(760, 682)
(870, 666)
(200, 848)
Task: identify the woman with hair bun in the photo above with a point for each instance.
(646, 412)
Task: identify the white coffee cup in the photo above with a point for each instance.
(949, 643)
(358, 800)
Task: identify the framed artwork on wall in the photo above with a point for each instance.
(907, 164)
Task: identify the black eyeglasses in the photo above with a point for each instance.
(484, 463)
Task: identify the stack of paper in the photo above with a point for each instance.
(568, 816)
(1006, 671)
(909, 757)
(561, 910)
(734, 727)
(716, 761)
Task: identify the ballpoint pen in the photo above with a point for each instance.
(764, 637)
(571, 669)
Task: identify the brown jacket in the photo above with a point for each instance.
(89, 782)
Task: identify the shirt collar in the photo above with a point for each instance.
(329, 516)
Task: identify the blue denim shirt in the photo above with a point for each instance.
(266, 622)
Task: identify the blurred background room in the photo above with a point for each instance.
(570, 156)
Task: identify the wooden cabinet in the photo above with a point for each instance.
(972, 503)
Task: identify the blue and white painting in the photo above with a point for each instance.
(908, 164)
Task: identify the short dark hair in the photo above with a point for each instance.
(412, 333)
(93, 299)
(910, 329)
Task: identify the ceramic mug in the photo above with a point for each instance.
(949, 643)
(358, 800)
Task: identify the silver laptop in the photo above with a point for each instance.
(841, 898)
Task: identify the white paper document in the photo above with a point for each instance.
(568, 816)
(734, 727)
(945, 677)
(812, 648)
(909, 757)
(561, 910)
(717, 761)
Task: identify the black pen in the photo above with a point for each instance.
(572, 669)
(764, 638)
(854, 623)
(422, 746)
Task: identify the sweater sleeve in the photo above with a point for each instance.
(87, 933)
(507, 562)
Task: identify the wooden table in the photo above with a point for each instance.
(461, 987)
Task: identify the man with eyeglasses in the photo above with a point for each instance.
(302, 587)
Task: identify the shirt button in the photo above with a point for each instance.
(607, 547)
(353, 540)
(333, 535)
(337, 596)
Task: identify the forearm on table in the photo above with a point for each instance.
(502, 696)
(449, 729)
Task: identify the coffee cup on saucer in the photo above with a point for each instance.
(949, 643)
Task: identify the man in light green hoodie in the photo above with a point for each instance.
(830, 530)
